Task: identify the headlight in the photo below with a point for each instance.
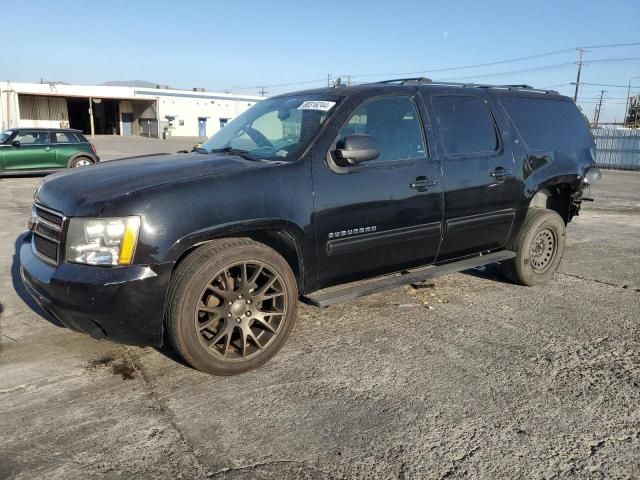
(102, 241)
(593, 175)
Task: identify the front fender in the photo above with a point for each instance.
(238, 229)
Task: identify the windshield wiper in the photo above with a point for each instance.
(235, 151)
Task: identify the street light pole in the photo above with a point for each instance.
(626, 108)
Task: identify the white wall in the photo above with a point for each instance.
(9, 107)
(187, 111)
(185, 105)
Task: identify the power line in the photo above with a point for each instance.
(488, 64)
(253, 87)
(462, 67)
(604, 101)
(535, 69)
(478, 65)
(522, 70)
(604, 85)
(612, 60)
(613, 45)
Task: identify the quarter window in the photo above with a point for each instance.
(66, 137)
(465, 124)
(548, 124)
(392, 122)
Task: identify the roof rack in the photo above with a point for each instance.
(405, 81)
(423, 80)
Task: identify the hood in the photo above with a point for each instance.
(79, 191)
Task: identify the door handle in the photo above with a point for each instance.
(422, 184)
(501, 173)
(47, 149)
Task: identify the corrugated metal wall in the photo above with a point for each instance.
(617, 149)
(42, 111)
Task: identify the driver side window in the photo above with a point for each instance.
(393, 123)
(32, 138)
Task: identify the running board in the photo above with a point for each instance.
(321, 299)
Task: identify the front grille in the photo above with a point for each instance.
(46, 247)
(49, 216)
(47, 233)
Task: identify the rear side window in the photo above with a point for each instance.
(66, 137)
(548, 124)
(465, 124)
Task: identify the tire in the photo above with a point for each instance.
(231, 306)
(80, 162)
(539, 246)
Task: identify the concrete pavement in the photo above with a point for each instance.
(468, 376)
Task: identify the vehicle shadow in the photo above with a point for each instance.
(488, 272)
(19, 287)
(168, 352)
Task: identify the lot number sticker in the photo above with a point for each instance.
(322, 105)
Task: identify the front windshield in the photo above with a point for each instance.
(274, 129)
(4, 136)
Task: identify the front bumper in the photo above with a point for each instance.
(123, 304)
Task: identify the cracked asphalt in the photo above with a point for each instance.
(464, 377)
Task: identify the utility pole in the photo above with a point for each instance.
(580, 63)
(626, 104)
(328, 80)
(596, 115)
(263, 91)
(348, 79)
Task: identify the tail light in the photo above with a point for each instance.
(93, 147)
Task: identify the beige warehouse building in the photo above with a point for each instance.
(116, 110)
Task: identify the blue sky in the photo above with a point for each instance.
(231, 45)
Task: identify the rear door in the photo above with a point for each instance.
(480, 185)
(34, 153)
(383, 214)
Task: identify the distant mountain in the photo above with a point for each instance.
(130, 83)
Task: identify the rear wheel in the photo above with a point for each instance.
(231, 306)
(538, 245)
(81, 162)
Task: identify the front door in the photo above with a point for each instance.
(34, 153)
(480, 185)
(202, 127)
(381, 215)
(127, 124)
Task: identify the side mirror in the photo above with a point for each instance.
(15, 143)
(355, 149)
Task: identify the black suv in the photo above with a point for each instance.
(210, 250)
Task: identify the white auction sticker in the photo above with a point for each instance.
(322, 105)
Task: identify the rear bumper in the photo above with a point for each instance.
(123, 304)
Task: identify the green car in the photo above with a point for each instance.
(42, 150)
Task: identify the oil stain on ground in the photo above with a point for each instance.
(117, 363)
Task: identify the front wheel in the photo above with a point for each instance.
(538, 245)
(231, 306)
